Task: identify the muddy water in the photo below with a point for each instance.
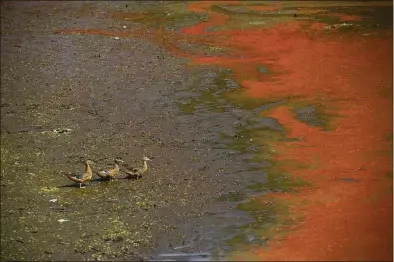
(248, 140)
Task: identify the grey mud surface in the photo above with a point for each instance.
(119, 97)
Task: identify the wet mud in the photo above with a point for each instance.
(270, 125)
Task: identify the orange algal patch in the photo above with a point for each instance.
(348, 211)
(349, 215)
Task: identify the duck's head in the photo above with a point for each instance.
(89, 162)
(145, 158)
(118, 160)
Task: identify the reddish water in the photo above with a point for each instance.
(348, 212)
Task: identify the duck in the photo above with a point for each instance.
(137, 172)
(82, 178)
(110, 174)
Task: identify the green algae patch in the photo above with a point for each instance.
(203, 47)
(232, 197)
(240, 98)
(257, 133)
(238, 239)
(245, 141)
(315, 114)
(206, 101)
(369, 17)
(170, 15)
(211, 97)
(279, 181)
(272, 220)
(242, 17)
(338, 18)
(48, 189)
(256, 136)
(188, 107)
(215, 48)
(224, 93)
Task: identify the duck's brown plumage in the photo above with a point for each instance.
(82, 178)
(111, 173)
(137, 172)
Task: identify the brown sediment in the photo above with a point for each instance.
(128, 16)
(103, 32)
